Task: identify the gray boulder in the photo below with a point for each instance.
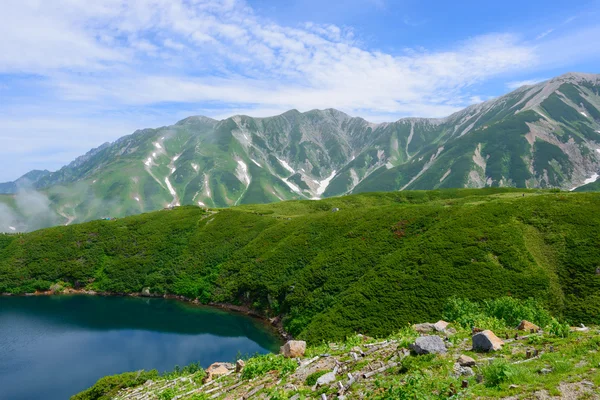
(429, 345)
(326, 379)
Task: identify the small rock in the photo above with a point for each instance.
(428, 345)
(528, 326)
(239, 365)
(440, 326)
(513, 387)
(462, 371)
(587, 383)
(293, 348)
(146, 291)
(486, 341)
(545, 371)
(423, 328)
(466, 361)
(326, 379)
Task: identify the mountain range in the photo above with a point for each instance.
(545, 135)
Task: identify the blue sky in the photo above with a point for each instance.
(75, 74)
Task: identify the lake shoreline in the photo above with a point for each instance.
(273, 323)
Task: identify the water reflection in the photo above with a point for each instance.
(53, 347)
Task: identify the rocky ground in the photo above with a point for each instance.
(425, 361)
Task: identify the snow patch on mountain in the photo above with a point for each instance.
(584, 114)
(195, 167)
(241, 172)
(292, 186)
(171, 190)
(157, 145)
(592, 179)
(276, 195)
(255, 162)
(201, 204)
(324, 183)
(12, 228)
(137, 199)
(286, 166)
(206, 185)
(355, 178)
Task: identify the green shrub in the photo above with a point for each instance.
(190, 369)
(498, 372)
(260, 365)
(311, 379)
(512, 311)
(167, 394)
(558, 328)
(503, 312)
(109, 386)
(418, 386)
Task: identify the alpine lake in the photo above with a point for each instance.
(53, 347)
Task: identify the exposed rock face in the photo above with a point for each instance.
(487, 341)
(528, 326)
(293, 348)
(466, 361)
(429, 345)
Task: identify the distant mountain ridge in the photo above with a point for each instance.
(539, 136)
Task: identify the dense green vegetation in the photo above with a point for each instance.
(381, 261)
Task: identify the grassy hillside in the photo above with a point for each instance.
(381, 261)
(590, 187)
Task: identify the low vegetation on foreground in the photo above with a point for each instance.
(328, 269)
(424, 361)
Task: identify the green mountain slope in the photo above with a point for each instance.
(381, 261)
(541, 136)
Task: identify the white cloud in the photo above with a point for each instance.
(116, 61)
(544, 34)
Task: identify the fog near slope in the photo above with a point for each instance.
(32, 211)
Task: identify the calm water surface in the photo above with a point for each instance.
(54, 347)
